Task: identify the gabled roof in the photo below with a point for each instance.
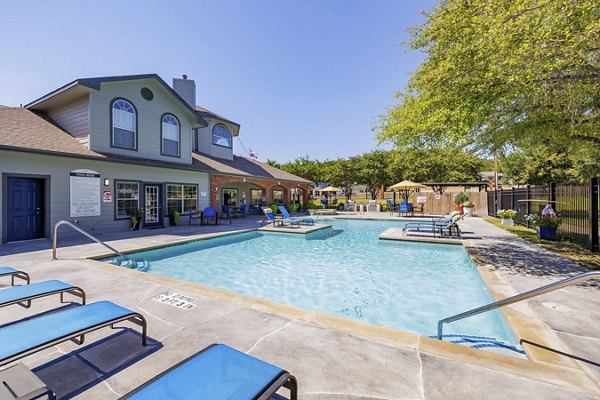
(28, 131)
(203, 112)
(241, 166)
(95, 83)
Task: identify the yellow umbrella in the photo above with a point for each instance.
(407, 185)
(329, 189)
(406, 188)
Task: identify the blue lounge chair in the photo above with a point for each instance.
(437, 227)
(26, 293)
(218, 373)
(270, 218)
(14, 273)
(440, 221)
(287, 216)
(29, 336)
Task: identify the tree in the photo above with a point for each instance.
(341, 173)
(435, 166)
(498, 73)
(305, 168)
(372, 171)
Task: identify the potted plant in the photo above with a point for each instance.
(136, 219)
(175, 218)
(546, 225)
(459, 199)
(507, 217)
(468, 207)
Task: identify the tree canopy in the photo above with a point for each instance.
(499, 73)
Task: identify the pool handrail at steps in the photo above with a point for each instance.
(84, 233)
(551, 287)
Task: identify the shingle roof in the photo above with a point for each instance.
(25, 130)
(242, 166)
(204, 113)
(94, 83)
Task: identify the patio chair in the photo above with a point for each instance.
(14, 273)
(23, 295)
(392, 207)
(26, 337)
(287, 216)
(406, 208)
(218, 372)
(324, 203)
(442, 221)
(208, 214)
(245, 210)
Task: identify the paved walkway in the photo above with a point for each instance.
(331, 357)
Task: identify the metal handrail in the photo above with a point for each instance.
(84, 233)
(520, 297)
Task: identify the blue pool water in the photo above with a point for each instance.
(345, 271)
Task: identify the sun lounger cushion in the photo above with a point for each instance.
(34, 333)
(15, 293)
(7, 270)
(218, 372)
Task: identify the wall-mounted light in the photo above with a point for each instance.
(244, 179)
(279, 183)
(106, 182)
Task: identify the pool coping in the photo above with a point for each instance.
(542, 365)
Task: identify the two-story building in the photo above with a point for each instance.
(96, 150)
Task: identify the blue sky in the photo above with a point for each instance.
(301, 77)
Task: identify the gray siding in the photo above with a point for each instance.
(57, 169)
(74, 118)
(149, 115)
(205, 141)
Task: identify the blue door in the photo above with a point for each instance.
(153, 206)
(25, 208)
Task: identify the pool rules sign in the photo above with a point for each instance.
(85, 193)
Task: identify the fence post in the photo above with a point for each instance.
(527, 209)
(512, 198)
(593, 214)
(552, 188)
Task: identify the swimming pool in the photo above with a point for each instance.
(346, 271)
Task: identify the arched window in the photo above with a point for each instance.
(221, 136)
(170, 135)
(124, 124)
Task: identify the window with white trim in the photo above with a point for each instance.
(124, 124)
(171, 135)
(221, 136)
(181, 198)
(128, 198)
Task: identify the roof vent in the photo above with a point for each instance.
(184, 76)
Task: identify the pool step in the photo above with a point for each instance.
(481, 342)
(139, 265)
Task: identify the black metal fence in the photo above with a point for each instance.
(578, 205)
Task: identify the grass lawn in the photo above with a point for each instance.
(563, 248)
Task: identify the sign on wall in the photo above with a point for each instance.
(85, 193)
(107, 196)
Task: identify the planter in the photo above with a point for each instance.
(460, 209)
(546, 233)
(467, 210)
(507, 221)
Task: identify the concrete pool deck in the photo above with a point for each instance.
(332, 358)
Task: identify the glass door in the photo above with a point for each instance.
(153, 206)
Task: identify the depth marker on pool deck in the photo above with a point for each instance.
(176, 300)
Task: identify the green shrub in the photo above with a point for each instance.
(460, 198)
(274, 208)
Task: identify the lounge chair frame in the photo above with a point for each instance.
(16, 274)
(79, 336)
(26, 301)
(284, 379)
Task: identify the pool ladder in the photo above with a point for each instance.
(84, 233)
(519, 297)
